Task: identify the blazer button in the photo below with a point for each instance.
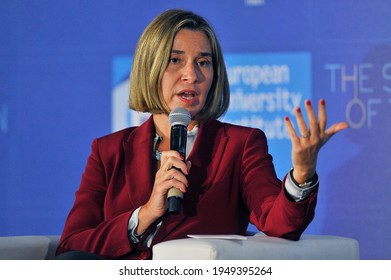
(144, 255)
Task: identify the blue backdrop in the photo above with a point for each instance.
(63, 81)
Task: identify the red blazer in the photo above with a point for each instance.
(232, 181)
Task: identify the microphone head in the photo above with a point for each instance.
(179, 116)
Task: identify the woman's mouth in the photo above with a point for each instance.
(188, 97)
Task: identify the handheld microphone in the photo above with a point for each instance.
(179, 120)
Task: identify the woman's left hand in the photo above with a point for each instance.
(307, 143)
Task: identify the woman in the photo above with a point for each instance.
(228, 178)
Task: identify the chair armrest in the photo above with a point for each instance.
(258, 247)
(28, 247)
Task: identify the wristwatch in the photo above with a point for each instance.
(307, 184)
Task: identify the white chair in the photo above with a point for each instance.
(36, 247)
(258, 246)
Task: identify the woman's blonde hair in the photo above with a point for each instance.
(152, 57)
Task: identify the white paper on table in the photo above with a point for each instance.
(218, 236)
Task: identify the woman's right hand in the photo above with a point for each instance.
(172, 173)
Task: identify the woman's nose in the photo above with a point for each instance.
(190, 73)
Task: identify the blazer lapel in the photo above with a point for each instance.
(205, 160)
(139, 163)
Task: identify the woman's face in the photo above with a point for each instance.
(189, 74)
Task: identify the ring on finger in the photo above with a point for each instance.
(305, 136)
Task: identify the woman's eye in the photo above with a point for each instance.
(204, 63)
(174, 60)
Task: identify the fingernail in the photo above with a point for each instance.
(322, 102)
(308, 102)
(286, 118)
(298, 110)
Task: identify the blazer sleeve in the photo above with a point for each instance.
(271, 209)
(86, 227)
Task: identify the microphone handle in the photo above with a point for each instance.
(178, 139)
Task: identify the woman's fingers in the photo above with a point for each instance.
(322, 116)
(291, 130)
(173, 171)
(303, 130)
(172, 159)
(333, 130)
(307, 139)
(312, 120)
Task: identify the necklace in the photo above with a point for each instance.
(156, 154)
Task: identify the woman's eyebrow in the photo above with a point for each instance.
(182, 52)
